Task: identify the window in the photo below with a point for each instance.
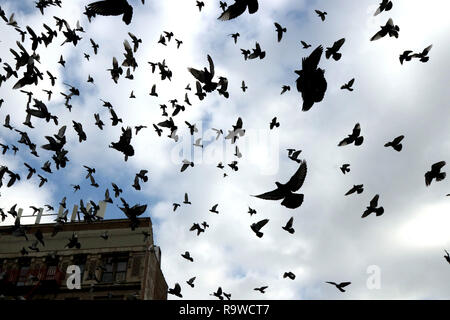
(24, 268)
(115, 268)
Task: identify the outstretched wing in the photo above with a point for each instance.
(236, 9)
(272, 195)
(107, 8)
(298, 178)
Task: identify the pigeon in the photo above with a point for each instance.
(286, 191)
(197, 227)
(435, 173)
(123, 145)
(388, 28)
(311, 81)
(256, 227)
(251, 211)
(304, 44)
(321, 14)
(176, 291)
(237, 8)
(395, 144)
(288, 226)
(333, 51)
(190, 282)
(423, 56)
(218, 293)
(112, 8)
(373, 208)
(235, 36)
(385, 5)
(261, 289)
(187, 256)
(214, 209)
(186, 199)
(354, 137)
(289, 275)
(406, 56)
(358, 188)
(243, 86)
(186, 164)
(175, 206)
(345, 168)
(284, 89)
(340, 286)
(280, 30)
(348, 85)
(274, 123)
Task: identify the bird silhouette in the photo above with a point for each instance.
(373, 208)
(355, 137)
(176, 291)
(190, 282)
(339, 286)
(435, 173)
(280, 30)
(333, 51)
(358, 188)
(187, 256)
(256, 227)
(395, 144)
(289, 275)
(286, 191)
(311, 81)
(321, 14)
(288, 226)
(388, 28)
(348, 85)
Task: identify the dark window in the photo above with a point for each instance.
(114, 268)
(24, 268)
(80, 261)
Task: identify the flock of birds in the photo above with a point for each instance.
(311, 84)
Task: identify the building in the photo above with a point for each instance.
(114, 261)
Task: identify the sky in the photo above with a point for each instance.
(403, 249)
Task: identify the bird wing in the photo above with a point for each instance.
(272, 195)
(211, 65)
(298, 178)
(236, 9)
(338, 44)
(106, 8)
(313, 59)
(258, 225)
(426, 50)
(199, 75)
(398, 139)
(438, 165)
(374, 201)
(289, 223)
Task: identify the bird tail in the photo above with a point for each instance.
(337, 56)
(398, 147)
(388, 144)
(440, 176)
(359, 141)
(292, 200)
(379, 211)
